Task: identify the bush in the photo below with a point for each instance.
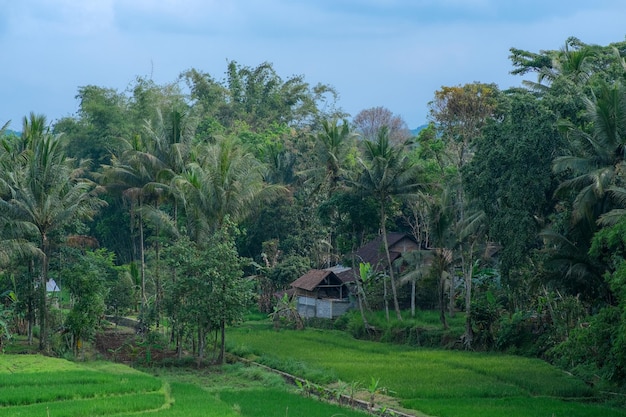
(589, 351)
(517, 333)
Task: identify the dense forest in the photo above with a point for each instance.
(191, 202)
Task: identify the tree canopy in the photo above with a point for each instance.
(196, 196)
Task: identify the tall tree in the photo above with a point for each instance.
(460, 113)
(47, 190)
(334, 144)
(259, 98)
(387, 175)
(368, 122)
(102, 121)
(511, 179)
(595, 156)
(211, 291)
(223, 180)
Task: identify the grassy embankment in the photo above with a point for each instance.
(435, 382)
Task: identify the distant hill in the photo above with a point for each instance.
(10, 132)
(418, 129)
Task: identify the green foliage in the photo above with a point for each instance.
(85, 277)
(258, 97)
(185, 165)
(6, 314)
(511, 175)
(288, 270)
(592, 350)
(349, 212)
(103, 121)
(518, 332)
(286, 314)
(208, 290)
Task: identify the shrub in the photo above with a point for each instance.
(589, 352)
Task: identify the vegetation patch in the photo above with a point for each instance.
(435, 382)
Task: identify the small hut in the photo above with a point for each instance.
(321, 293)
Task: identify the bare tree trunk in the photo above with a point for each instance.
(413, 298)
(394, 292)
(43, 305)
(179, 344)
(221, 357)
(31, 300)
(200, 343)
(451, 292)
(468, 270)
(442, 290)
(143, 262)
(360, 296)
(386, 297)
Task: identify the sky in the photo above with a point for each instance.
(390, 53)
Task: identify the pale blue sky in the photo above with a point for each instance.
(392, 53)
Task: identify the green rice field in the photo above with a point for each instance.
(37, 386)
(419, 382)
(434, 382)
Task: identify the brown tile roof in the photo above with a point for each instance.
(344, 273)
(313, 278)
(347, 276)
(374, 251)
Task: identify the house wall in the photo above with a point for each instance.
(341, 307)
(322, 308)
(404, 245)
(306, 306)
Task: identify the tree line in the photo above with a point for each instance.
(189, 202)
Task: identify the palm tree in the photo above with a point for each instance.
(387, 175)
(571, 64)
(596, 157)
(127, 175)
(14, 241)
(223, 180)
(46, 191)
(593, 179)
(334, 143)
(143, 173)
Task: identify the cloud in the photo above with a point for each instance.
(393, 53)
(171, 16)
(59, 17)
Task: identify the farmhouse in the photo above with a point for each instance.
(321, 293)
(326, 293)
(374, 251)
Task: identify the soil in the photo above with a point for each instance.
(122, 344)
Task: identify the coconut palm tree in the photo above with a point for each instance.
(223, 180)
(46, 191)
(595, 157)
(334, 142)
(387, 175)
(143, 174)
(14, 234)
(593, 171)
